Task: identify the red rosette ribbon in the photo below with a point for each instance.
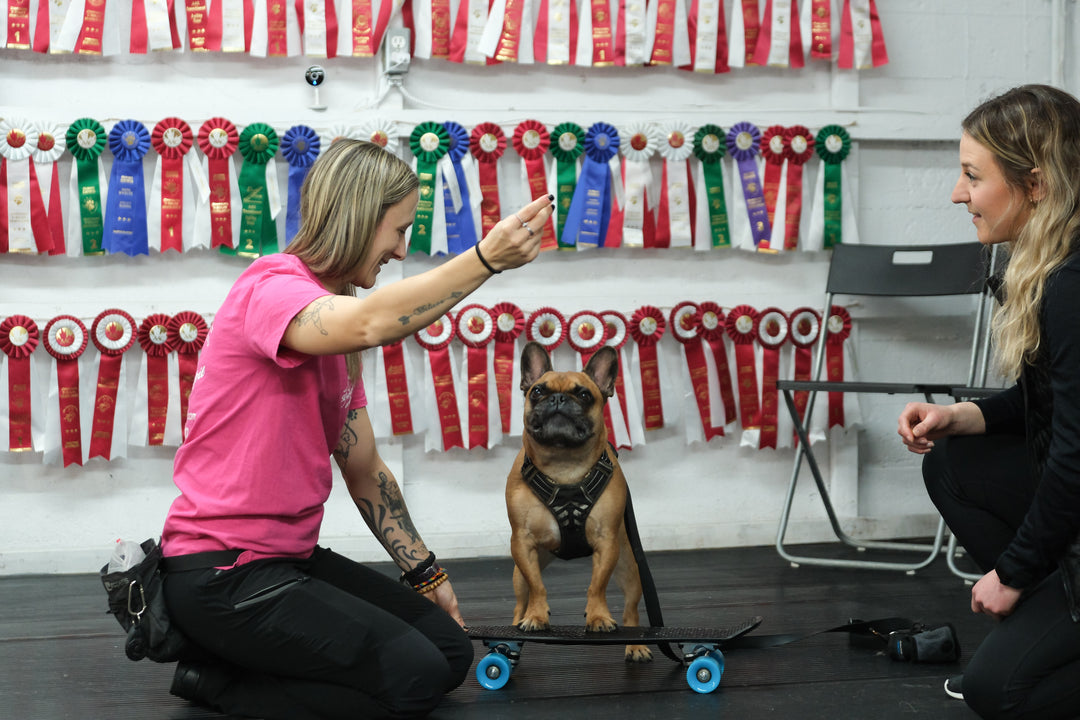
(586, 332)
(65, 338)
(798, 149)
(157, 342)
(509, 324)
(219, 140)
(546, 326)
(740, 328)
(113, 334)
(771, 330)
(710, 320)
(172, 139)
(685, 328)
(647, 326)
(532, 140)
(804, 327)
(616, 334)
(476, 329)
(435, 339)
(487, 144)
(188, 330)
(837, 331)
(19, 337)
(772, 149)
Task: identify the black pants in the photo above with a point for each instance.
(321, 638)
(1029, 664)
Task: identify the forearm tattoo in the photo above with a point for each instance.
(312, 316)
(391, 523)
(454, 296)
(348, 439)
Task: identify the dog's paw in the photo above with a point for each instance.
(601, 624)
(533, 625)
(638, 654)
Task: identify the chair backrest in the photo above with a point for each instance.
(909, 270)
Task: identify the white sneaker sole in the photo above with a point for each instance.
(952, 693)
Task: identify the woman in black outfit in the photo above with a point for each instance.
(1005, 471)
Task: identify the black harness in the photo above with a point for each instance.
(570, 504)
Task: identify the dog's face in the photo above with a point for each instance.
(566, 409)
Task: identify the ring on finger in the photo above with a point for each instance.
(523, 223)
(531, 231)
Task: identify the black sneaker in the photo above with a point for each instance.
(954, 687)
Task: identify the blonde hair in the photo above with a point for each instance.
(343, 200)
(1032, 127)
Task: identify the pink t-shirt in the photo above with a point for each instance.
(255, 470)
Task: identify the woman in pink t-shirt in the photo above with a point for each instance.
(284, 628)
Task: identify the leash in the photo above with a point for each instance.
(648, 587)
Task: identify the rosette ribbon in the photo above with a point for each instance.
(798, 148)
(65, 338)
(708, 37)
(476, 330)
(772, 149)
(804, 327)
(817, 17)
(509, 324)
(153, 27)
(429, 143)
(19, 337)
(531, 141)
(24, 222)
(488, 143)
(685, 328)
(837, 331)
(546, 326)
(586, 332)
(555, 37)
(771, 329)
(675, 220)
(259, 192)
(172, 140)
(862, 44)
(621, 413)
(828, 222)
(299, 146)
(713, 330)
(50, 147)
(218, 139)
(151, 424)
(86, 141)
(745, 28)
(125, 210)
(647, 326)
(740, 328)
(188, 331)
(638, 144)
(392, 381)
(569, 145)
(461, 191)
(590, 208)
(712, 213)
(743, 142)
(275, 29)
(779, 42)
(113, 333)
(441, 398)
(383, 133)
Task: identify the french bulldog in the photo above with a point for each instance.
(566, 494)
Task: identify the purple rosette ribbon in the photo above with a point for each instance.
(299, 146)
(460, 228)
(125, 227)
(590, 208)
(744, 144)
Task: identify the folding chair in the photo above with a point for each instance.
(885, 271)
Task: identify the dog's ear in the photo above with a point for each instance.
(603, 368)
(535, 361)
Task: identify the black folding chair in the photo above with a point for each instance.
(960, 269)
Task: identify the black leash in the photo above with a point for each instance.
(878, 629)
(648, 587)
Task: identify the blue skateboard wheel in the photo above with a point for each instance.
(493, 671)
(704, 672)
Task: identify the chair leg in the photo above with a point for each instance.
(950, 555)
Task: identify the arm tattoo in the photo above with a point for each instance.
(348, 439)
(454, 296)
(391, 524)
(312, 314)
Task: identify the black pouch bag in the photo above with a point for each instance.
(924, 644)
(137, 601)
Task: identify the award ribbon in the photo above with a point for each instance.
(647, 327)
(837, 330)
(804, 326)
(531, 141)
(821, 29)
(569, 145)
(258, 231)
(397, 388)
(86, 140)
(743, 142)
(509, 324)
(469, 30)
(24, 222)
(772, 149)
(188, 331)
(509, 39)
(620, 412)
(65, 339)
(862, 44)
(586, 332)
(710, 319)
(488, 143)
(90, 20)
(50, 147)
(319, 28)
(157, 342)
(708, 37)
(677, 203)
(709, 149)
(458, 201)
(171, 139)
(685, 328)
(555, 37)
(602, 44)
(299, 146)
(833, 145)
(429, 142)
(125, 210)
(113, 333)
(771, 329)
(435, 339)
(745, 27)
(218, 139)
(740, 328)
(18, 25)
(19, 337)
(476, 328)
(638, 144)
(203, 25)
(546, 326)
(383, 133)
(590, 208)
(798, 148)
(779, 42)
(153, 27)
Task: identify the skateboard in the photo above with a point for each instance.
(700, 648)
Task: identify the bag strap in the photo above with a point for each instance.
(199, 561)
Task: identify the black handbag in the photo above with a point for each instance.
(136, 599)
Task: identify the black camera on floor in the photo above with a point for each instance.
(924, 644)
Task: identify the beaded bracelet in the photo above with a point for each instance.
(427, 586)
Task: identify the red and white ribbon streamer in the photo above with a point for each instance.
(675, 223)
(153, 26)
(862, 43)
(170, 210)
(667, 34)
(89, 27)
(708, 37)
(319, 28)
(155, 420)
(792, 200)
(476, 329)
(509, 324)
(188, 330)
(745, 28)
(712, 330)
(771, 331)
(839, 367)
(697, 398)
(218, 215)
(275, 29)
(113, 334)
(818, 28)
(772, 150)
(740, 328)
(389, 404)
(21, 427)
(779, 42)
(362, 25)
(24, 222)
(647, 326)
(555, 38)
(431, 23)
(442, 406)
(804, 328)
(65, 338)
(51, 144)
(507, 32)
(622, 413)
(638, 142)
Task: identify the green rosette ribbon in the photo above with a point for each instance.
(833, 145)
(86, 140)
(258, 231)
(568, 144)
(709, 149)
(429, 142)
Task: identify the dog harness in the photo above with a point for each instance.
(570, 504)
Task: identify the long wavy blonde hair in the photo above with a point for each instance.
(1027, 128)
(343, 200)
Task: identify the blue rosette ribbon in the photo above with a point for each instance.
(299, 146)
(590, 208)
(125, 208)
(460, 228)
(744, 144)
